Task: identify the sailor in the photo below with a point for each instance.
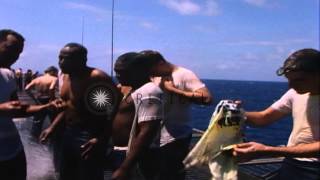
(87, 127)
(12, 156)
(146, 102)
(302, 153)
(181, 88)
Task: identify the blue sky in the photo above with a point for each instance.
(217, 39)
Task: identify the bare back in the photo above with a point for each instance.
(43, 85)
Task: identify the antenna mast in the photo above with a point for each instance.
(82, 30)
(112, 23)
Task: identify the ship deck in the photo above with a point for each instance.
(40, 165)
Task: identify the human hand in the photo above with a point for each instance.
(120, 174)
(88, 148)
(57, 104)
(12, 108)
(250, 150)
(167, 83)
(45, 135)
(238, 102)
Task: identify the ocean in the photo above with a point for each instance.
(255, 96)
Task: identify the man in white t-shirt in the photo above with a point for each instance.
(302, 153)
(181, 88)
(144, 135)
(12, 157)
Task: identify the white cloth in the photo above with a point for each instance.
(222, 133)
(60, 80)
(10, 143)
(305, 109)
(148, 107)
(177, 123)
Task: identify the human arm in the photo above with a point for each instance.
(265, 117)
(17, 109)
(198, 96)
(45, 134)
(10, 108)
(52, 88)
(30, 85)
(149, 114)
(147, 131)
(252, 150)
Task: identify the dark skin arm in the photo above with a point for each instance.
(147, 131)
(15, 108)
(45, 134)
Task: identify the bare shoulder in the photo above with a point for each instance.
(99, 74)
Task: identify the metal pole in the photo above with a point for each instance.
(112, 23)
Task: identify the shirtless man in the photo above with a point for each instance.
(45, 84)
(86, 131)
(45, 87)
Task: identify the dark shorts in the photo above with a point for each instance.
(165, 163)
(15, 168)
(72, 165)
(299, 170)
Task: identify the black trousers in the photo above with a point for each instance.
(299, 170)
(15, 168)
(165, 163)
(72, 165)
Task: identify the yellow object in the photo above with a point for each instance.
(215, 144)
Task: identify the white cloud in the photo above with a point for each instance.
(258, 3)
(188, 7)
(87, 8)
(183, 7)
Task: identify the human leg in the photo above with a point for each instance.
(172, 155)
(15, 168)
(299, 170)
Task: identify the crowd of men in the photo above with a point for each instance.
(148, 127)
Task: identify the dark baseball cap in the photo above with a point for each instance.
(307, 60)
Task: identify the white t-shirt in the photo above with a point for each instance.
(10, 143)
(305, 109)
(60, 80)
(177, 109)
(148, 105)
